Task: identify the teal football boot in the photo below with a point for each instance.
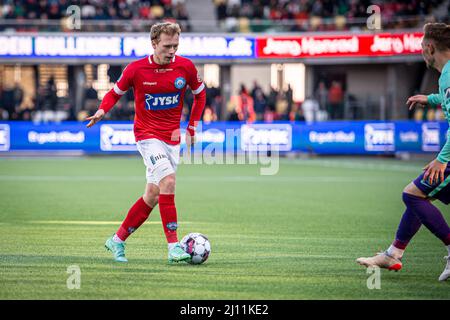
(177, 254)
(118, 249)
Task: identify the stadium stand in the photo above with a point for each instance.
(323, 15)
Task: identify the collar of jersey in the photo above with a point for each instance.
(446, 67)
(152, 61)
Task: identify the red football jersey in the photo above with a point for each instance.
(159, 92)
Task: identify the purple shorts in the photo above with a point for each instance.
(439, 190)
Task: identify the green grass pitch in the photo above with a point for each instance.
(294, 235)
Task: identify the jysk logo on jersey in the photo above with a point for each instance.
(180, 82)
(162, 101)
(447, 93)
(4, 137)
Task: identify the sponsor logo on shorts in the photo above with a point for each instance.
(425, 183)
(154, 159)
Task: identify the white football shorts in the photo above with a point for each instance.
(160, 158)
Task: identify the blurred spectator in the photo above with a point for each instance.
(70, 112)
(216, 107)
(336, 101)
(321, 96)
(244, 106)
(18, 96)
(9, 104)
(281, 106)
(259, 100)
(209, 115)
(221, 10)
(91, 98)
(119, 112)
(289, 97)
(50, 94)
(40, 99)
(269, 115)
(310, 109)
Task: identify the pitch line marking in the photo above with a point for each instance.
(318, 179)
(84, 222)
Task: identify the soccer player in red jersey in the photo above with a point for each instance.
(159, 82)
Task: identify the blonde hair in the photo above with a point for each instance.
(168, 28)
(439, 33)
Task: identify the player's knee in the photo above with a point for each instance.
(412, 189)
(151, 200)
(151, 196)
(167, 184)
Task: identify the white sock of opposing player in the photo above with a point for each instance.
(395, 252)
(448, 249)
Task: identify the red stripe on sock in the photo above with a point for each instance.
(136, 216)
(168, 215)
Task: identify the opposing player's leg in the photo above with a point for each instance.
(430, 216)
(391, 259)
(417, 197)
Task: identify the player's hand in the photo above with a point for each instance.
(95, 118)
(417, 100)
(190, 140)
(434, 172)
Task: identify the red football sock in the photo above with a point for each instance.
(168, 216)
(136, 216)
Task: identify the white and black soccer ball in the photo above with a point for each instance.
(198, 246)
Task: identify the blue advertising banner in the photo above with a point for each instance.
(128, 46)
(334, 137)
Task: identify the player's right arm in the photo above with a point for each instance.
(110, 99)
(420, 99)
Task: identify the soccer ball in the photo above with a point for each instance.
(198, 246)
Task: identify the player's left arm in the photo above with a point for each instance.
(199, 91)
(436, 168)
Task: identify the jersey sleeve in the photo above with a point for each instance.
(120, 88)
(125, 81)
(194, 80)
(434, 99)
(444, 155)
